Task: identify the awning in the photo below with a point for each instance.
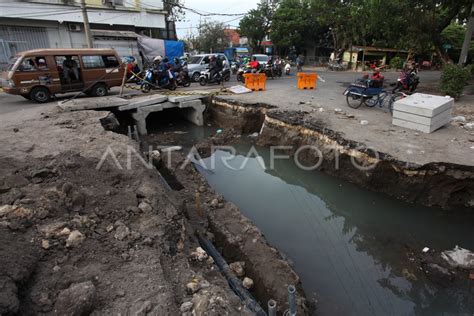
(120, 34)
(241, 50)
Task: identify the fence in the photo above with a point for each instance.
(318, 61)
(15, 39)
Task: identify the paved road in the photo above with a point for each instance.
(335, 82)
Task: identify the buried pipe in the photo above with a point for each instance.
(272, 308)
(292, 300)
(235, 284)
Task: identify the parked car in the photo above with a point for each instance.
(198, 63)
(42, 73)
(261, 58)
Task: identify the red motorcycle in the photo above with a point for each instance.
(408, 81)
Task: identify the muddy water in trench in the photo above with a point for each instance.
(350, 246)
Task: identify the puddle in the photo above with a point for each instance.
(350, 246)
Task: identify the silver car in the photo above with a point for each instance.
(198, 63)
(261, 58)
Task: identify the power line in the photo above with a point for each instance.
(198, 12)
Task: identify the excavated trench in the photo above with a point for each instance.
(446, 185)
(435, 200)
(358, 248)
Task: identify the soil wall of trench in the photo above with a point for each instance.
(446, 185)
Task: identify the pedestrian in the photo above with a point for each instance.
(299, 62)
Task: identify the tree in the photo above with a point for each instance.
(453, 35)
(211, 37)
(428, 18)
(405, 24)
(255, 25)
(175, 9)
(293, 25)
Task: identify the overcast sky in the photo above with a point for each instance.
(191, 20)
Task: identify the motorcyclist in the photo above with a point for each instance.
(132, 68)
(156, 68)
(177, 65)
(214, 67)
(270, 67)
(254, 64)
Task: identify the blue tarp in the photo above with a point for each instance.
(174, 49)
(152, 47)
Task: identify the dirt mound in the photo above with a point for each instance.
(79, 239)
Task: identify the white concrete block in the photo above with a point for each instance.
(144, 101)
(183, 98)
(419, 119)
(190, 104)
(156, 107)
(417, 126)
(424, 104)
(92, 103)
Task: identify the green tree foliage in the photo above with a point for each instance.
(415, 25)
(453, 80)
(396, 63)
(428, 18)
(211, 37)
(293, 24)
(453, 35)
(256, 24)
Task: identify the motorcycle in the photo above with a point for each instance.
(166, 82)
(287, 68)
(244, 69)
(277, 69)
(182, 77)
(408, 81)
(234, 67)
(226, 74)
(205, 77)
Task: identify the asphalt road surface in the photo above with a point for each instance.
(333, 82)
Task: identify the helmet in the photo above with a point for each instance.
(158, 58)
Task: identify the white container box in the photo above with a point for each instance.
(422, 112)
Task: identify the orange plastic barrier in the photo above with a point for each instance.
(255, 82)
(307, 80)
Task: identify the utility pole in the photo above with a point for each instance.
(87, 27)
(467, 38)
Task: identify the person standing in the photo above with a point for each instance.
(299, 62)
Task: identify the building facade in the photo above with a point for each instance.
(30, 24)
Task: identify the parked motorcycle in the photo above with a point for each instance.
(167, 81)
(408, 81)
